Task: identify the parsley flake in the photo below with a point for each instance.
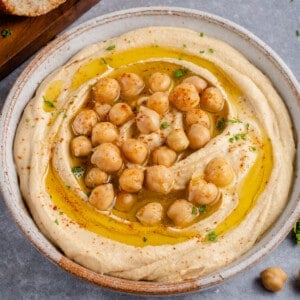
(6, 32)
(144, 239)
(201, 34)
(297, 232)
(61, 213)
(78, 171)
(237, 137)
(27, 120)
(297, 33)
(194, 210)
(201, 51)
(56, 222)
(252, 148)
(179, 73)
(212, 236)
(111, 47)
(234, 120)
(221, 123)
(48, 103)
(202, 209)
(164, 125)
(211, 50)
(104, 61)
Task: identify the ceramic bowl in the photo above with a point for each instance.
(61, 49)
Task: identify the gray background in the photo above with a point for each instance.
(26, 274)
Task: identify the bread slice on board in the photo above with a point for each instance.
(29, 8)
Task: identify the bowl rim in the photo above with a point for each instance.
(123, 285)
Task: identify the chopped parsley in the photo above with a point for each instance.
(144, 239)
(194, 210)
(247, 126)
(252, 148)
(297, 33)
(202, 51)
(234, 120)
(111, 47)
(221, 124)
(164, 125)
(103, 60)
(61, 213)
(179, 73)
(48, 103)
(184, 45)
(78, 171)
(211, 50)
(6, 32)
(212, 236)
(56, 222)
(297, 232)
(237, 137)
(27, 120)
(202, 209)
(201, 34)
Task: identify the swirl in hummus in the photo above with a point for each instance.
(162, 154)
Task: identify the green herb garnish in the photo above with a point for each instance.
(179, 73)
(56, 222)
(144, 239)
(211, 50)
(234, 120)
(194, 210)
(202, 51)
(103, 60)
(78, 171)
(201, 34)
(252, 148)
(297, 232)
(184, 45)
(221, 124)
(212, 236)
(27, 120)
(164, 125)
(202, 209)
(111, 47)
(61, 213)
(6, 32)
(237, 137)
(48, 103)
(297, 33)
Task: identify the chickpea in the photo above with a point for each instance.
(184, 97)
(131, 85)
(106, 90)
(120, 113)
(199, 83)
(81, 146)
(150, 214)
(104, 132)
(212, 100)
(125, 201)
(177, 140)
(135, 151)
(147, 120)
(107, 157)
(102, 110)
(198, 136)
(159, 102)
(95, 177)
(159, 82)
(163, 156)
(131, 180)
(202, 192)
(159, 179)
(219, 172)
(197, 116)
(84, 122)
(181, 212)
(102, 197)
(273, 279)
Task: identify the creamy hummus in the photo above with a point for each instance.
(252, 133)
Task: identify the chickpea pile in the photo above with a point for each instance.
(118, 171)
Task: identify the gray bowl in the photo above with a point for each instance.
(107, 26)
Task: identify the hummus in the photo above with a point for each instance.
(248, 131)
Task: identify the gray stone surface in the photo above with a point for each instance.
(26, 274)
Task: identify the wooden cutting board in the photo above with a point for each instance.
(29, 34)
